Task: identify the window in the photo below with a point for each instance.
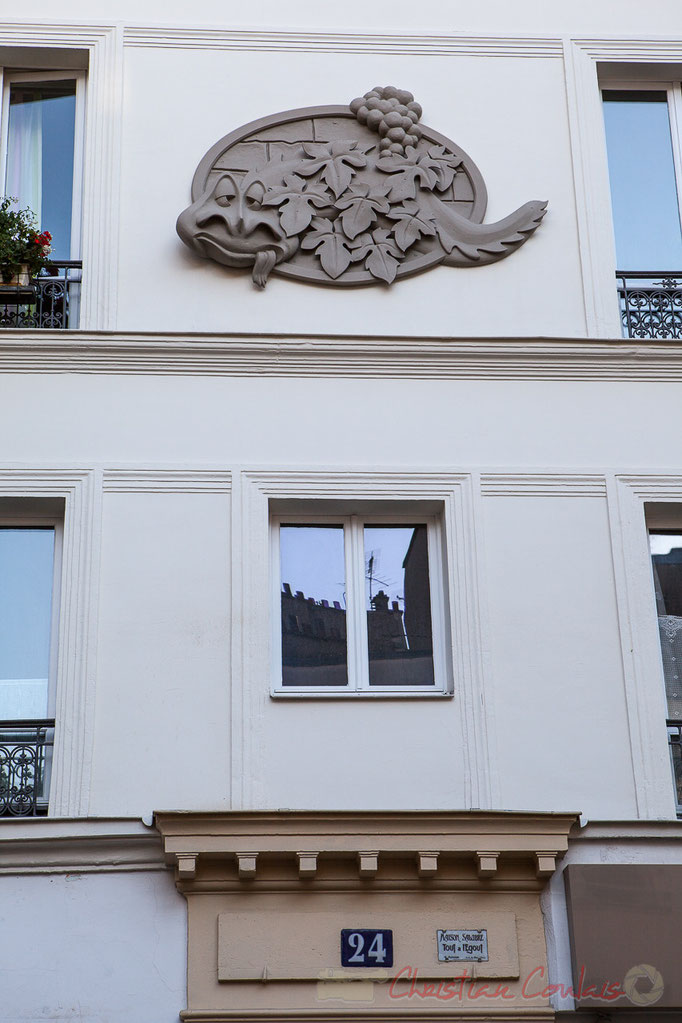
(41, 166)
(645, 174)
(30, 548)
(666, 558)
(358, 605)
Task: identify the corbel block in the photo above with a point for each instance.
(427, 864)
(368, 863)
(487, 863)
(187, 867)
(545, 863)
(307, 864)
(247, 864)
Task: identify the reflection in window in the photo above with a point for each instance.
(40, 155)
(666, 557)
(398, 606)
(26, 580)
(313, 589)
(642, 176)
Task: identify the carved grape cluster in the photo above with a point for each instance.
(393, 114)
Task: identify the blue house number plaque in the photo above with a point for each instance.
(366, 947)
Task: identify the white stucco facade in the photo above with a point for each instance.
(189, 405)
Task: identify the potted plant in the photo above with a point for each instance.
(24, 250)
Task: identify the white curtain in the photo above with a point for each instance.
(25, 155)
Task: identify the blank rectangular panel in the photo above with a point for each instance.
(40, 155)
(313, 602)
(642, 175)
(26, 581)
(399, 633)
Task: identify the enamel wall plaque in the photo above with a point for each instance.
(346, 195)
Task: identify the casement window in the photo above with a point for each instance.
(42, 132)
(643, 126)
(41, 166)
(358, 605)
(30, 555)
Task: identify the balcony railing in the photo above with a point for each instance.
(50, 302)
(25, 762)
(651, 304)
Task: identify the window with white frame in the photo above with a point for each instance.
(358, 605)
(42, 151)
(30, 556)
(41, 164)
(643, 124)
(645, 172)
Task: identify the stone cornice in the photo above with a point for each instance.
(338, 356)
(63, 845)
(218, 849)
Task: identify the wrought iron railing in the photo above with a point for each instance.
(651, 304)
(50, 302)
(25, 763)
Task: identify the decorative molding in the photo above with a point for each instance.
(231, 844)
(70, 784)
(59, 846)
(631, 51)
(634, 831)
(590, 167)
(414, 358)
(165, 481)
(525, 1013)
(640, 644)
(435, 45)
(543, 485)
(251, 666)
(101, 170)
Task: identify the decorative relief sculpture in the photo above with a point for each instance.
(346, 195)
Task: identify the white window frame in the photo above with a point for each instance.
(12, 77)
(673, 92)
(356, 615)
(36, 520)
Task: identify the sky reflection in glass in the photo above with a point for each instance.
(642, 175)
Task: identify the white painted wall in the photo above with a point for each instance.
(509, 114)
(97, 948)
(176, 641)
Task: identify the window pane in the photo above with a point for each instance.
(40, 156)
(313, 584)
(26, 566)
(642, 175)
(666, 556)
(398, 606)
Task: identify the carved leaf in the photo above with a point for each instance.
(360, 208)
(330, 245)
(412, 224)
(297, 199)
(435, 168)
(380, 252)
(444, 165)
(336, 161)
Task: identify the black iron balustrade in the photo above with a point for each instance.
(50, 302)
(25, 762)
(651, 304)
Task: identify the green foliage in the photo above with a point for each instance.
(21, 242)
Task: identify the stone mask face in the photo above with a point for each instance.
(230, 225)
